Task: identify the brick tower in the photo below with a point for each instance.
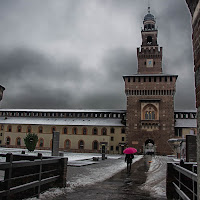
(150, 96)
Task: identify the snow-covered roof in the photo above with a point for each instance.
(185, 111)
(62, 121)
(63, 110)
(186, 123)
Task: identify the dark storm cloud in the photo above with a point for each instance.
(73, 54)
(38, 81)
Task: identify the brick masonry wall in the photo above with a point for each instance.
(154, 54)
(194, 6)
(166, 127)
(135, 132)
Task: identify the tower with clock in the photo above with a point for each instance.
(150, 96)
(150, 55)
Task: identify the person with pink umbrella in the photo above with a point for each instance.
(129, 157)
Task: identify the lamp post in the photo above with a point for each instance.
(1, 92)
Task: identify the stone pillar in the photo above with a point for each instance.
(55, 144)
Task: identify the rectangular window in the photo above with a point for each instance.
(149, 79)
(170, 78)
(112, 130)
(123, 130)
(165, 79)
(178, 132)
(133, 79)
(160, 79)
(112, 138)
(128, 79)
(0, 141)
(117, 148)
(111, 148)
(122, 138)
(138, 79)
(154, 79)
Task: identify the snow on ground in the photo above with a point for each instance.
(94, 174)
(100, 174)
(156, 176)
(90, 174)
(71, 156)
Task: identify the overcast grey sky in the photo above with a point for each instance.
(73, 53)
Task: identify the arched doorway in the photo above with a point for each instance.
(149, 147)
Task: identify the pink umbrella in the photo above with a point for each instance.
(130, 150)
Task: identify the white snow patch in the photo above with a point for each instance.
(94, 176)
(156, 179)
(99, 175)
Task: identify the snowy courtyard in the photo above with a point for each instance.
(90, 172)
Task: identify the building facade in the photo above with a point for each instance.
(80, 130)
(194, 7)
(147, 124)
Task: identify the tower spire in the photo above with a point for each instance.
(149, 7)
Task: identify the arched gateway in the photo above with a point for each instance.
(149, 147)
(150, 96)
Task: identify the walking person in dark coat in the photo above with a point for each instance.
(128, 159)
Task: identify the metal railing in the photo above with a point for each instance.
(185, 183)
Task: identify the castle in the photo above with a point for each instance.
(147, 124)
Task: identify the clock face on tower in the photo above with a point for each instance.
(149, 62)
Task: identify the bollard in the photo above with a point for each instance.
(61, 154)
(103, 156)
(23, 152)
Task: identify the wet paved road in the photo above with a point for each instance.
(121, 186)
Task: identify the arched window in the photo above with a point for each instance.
(9, 128)
(53, 129)
(67, 144)
(112, 130)
(8, 141)
(95, 145)
(74, 131)
(19, 129)
(95, 131)
(149, 40)
(41, 142)
(81, 144)
(18, 141)
(29, 129)
(84, 131)
(40, 129)
(150, 112)
(104, 131)
(64, 130)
